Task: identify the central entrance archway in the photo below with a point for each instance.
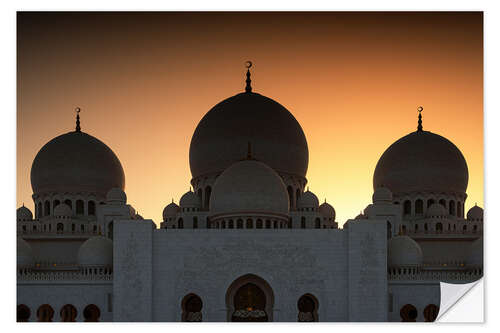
(249, 299)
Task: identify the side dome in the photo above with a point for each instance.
(96, 251)
(24, 253)
(327, 210)
(402, 251)
(436, 210)
(190, 200)
(221, 137)
(63, 210)
(308, 200)
(24, 214)
(476, 213)
(249, 186)
(170, 210)
(116, 196)
(76, 162)
(382, 195)
(422, 161)
(475, 255)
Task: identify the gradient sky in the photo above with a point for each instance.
(352, 80)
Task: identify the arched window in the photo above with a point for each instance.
(268, 224)
(195, 222)
(91, 313)
(47, 208)
(231, 224)
(110, 230)
(317, 223)
(459, 209)
(407, 207)
(23, 313)
(224, 224)
(68, 313)
(249, 224)
(239, 224)
(55, 204)
(430, 312)
(426, 227)
(389, 230)
(452, 208)
(430, 202)
(416, 227)
(290, 196)
(259, 224)
(419, 207)
(69, 203)
(308, 308)
(275, 224)
(45, 313)
(60, 228)
(91, 208)
(475, 228)
(191, 308)
(79, 207)
(439, 227)
(39, 213)
(200, 194)
(297, 196)
(82, 228)
(302, 222)
(442, 202)
(290, 223)
(180, 224)
(73, 227)
(408, 313)
(465, 228)
(208, 192)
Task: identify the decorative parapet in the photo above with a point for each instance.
(418, 275)
(84, 274)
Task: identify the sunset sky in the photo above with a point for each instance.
(352, 80)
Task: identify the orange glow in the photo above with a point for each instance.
(352, 80)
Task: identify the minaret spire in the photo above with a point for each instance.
(77, 110)
(420, 109)
(248, 88)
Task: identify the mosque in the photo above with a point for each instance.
(249, 242)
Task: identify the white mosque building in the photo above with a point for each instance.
(250, 242)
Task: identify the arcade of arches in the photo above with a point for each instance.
(68, 312)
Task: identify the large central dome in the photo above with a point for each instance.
(76, 162)
(222, 136)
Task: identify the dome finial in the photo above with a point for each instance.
(420, 109)
(77, 110)
(248, 88)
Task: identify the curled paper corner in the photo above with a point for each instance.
(462, 303)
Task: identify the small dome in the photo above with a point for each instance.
(63, 210)
(249, 186)
(96, 251)
(424, 162)
(475, 214)
(221, 137)
(436, 210)
(403, 251)
(170, 210)
(24, 253)
(475, 255)
(116, 196)
(361, 216)
(190, 200)
(382, 195)
(24, 214)
(76, 162)
(327, 210)
(308, 200)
